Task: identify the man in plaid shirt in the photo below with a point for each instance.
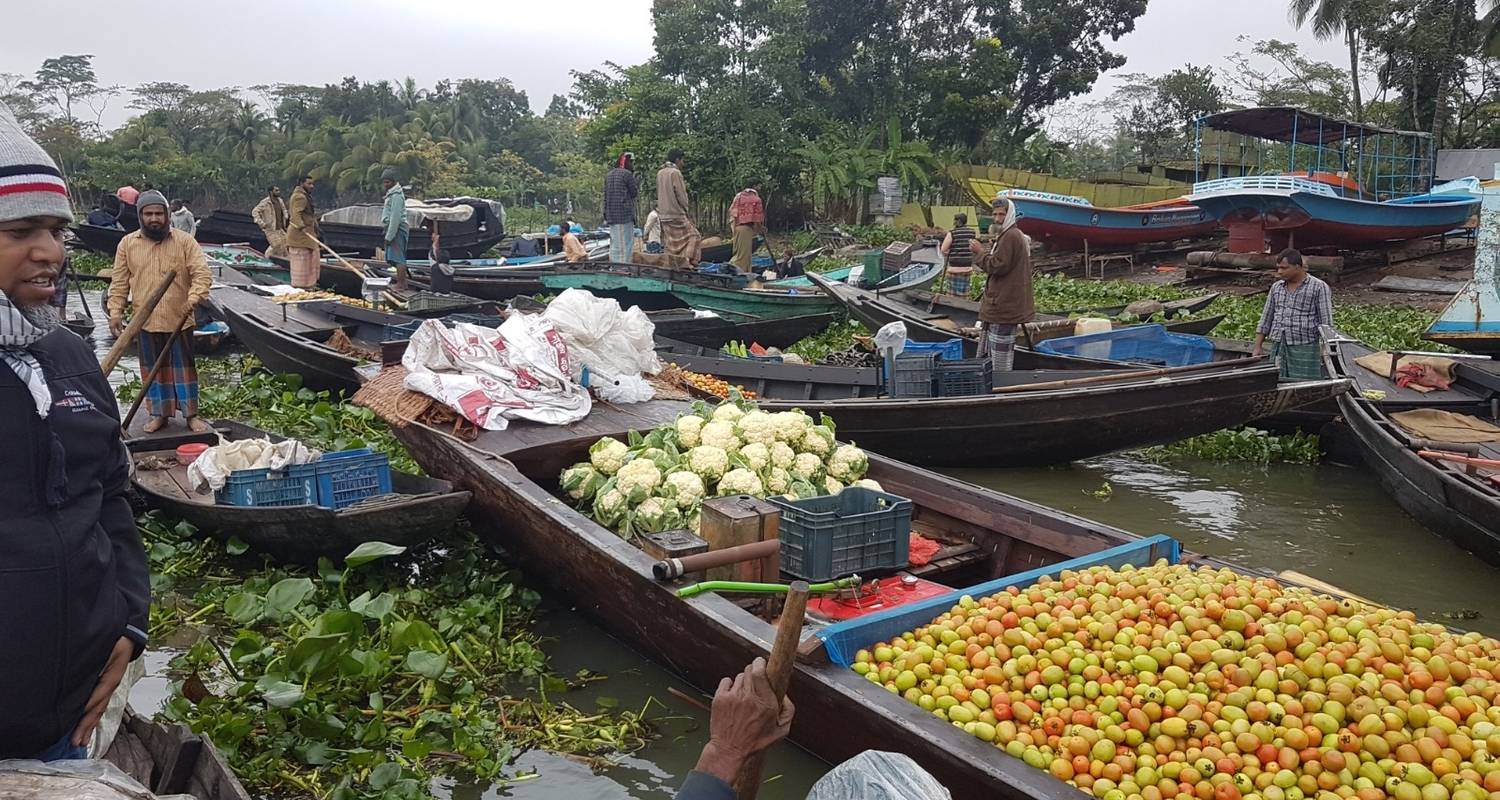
(620, 190)
(1296, 306)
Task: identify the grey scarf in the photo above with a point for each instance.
(16, 334)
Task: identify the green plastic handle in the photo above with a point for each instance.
(763, 588)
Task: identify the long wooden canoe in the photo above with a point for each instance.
(1448, 497)
(418, 508)
(985, 535)
(169, 759)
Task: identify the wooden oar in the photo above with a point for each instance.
(1472, 463)
(341, 259)
(1116, 377)
(779, 671)
(1323, 586)
(150, 377)
(142, 313)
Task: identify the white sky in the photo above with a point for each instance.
(235, 43)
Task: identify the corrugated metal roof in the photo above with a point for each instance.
(1455, 164)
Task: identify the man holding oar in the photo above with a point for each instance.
(302, 236)
(141, 261)
(74, 582)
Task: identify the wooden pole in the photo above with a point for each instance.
(142, 313)
(150, 377)
(1115, 377)
(341, 259)
(779, 671)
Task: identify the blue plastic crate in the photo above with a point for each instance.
(1138, 344)
(402, 332)
(951, 350)
(349, 476)
(842, 640)
(858, 530)
(263, 488)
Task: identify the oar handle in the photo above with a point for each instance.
(779, 671)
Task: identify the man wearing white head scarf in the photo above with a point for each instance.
(74, 582)
(1007, 300)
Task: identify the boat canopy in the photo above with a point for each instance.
(1288, 124)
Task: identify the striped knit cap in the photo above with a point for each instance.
(30, 183)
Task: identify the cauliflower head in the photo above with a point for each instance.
(778, 481)
(756, 456)
(728, 412)
(685, 489)
(782, 455)
(848, 463)
(817, 440)
(756, 427)
(806, 467)
(689, 430)
(790, 425)
(610, 506)
(581, 481)
(655, 514)
(740, 481)
(868, 483)
(709, 462)
(638, 479)
(608, 455)
(720, 434)
(832, 486)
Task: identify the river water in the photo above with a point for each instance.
(1330, 522)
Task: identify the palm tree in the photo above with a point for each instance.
(243, 131)
(1329, 19)
(829, 175)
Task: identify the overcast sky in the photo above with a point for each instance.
(535, 44)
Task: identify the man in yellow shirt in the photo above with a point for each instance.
(143, 258)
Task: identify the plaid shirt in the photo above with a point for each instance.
(620, 189)
(1292, 316)
(747, 209)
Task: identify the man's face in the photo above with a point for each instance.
(31, 254)
(1288, 271)
(387, 183)
(275, 191)
(307, 185)
(154, 217)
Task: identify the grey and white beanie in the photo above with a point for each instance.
(30, 183)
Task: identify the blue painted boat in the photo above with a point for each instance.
(1472, 319)
(1064, 222)
(802, 280)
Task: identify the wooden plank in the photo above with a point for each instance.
(1396, 283)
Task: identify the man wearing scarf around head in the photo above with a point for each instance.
(1007, 300)
(142, 260)
(74, 583)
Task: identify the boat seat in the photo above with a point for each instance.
(950, 559)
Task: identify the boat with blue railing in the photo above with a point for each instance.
(1064, 222)
(1344, 184)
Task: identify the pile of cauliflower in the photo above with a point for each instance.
(658, 481)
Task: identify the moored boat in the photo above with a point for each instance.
(169, 759)
(417, 508)
(1456, 491)
(471, 238)
(1471, 320)
(1073, 223)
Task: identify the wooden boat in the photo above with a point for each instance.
(293, 337)
(104, 241)
(716, 331)
(81, 325)
(467, 239)
(985, 535)
(957, 318)
(1471, 322)
(418, 508)
(1063, 222)
(1458, 500)
(169, 759)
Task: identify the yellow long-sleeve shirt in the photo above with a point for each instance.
(141, 263)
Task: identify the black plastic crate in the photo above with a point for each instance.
(965, 376)
(858, 530)
(912, 375)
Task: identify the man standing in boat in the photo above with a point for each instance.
(747, 217)
(397, 229)
(679, 235)
(142, 260)
(1296, 306)
(74, 580)
(960, 259)
(301, 237)
(620, 190)
(1007, 300)
(270, 216)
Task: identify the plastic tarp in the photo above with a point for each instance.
(842, 640)
(521, 370)
(211, 469)
(878, 775)
(610, 342)
(68, 780)
(1139, 344)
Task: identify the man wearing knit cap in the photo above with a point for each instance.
(142, 260)
(397, 229)
(74, 582)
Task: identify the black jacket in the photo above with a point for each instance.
(73, 573)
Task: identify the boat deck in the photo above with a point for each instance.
(604, 419)
(1365, 380)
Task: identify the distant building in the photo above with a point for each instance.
(1455, 164)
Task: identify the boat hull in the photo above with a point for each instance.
(321, 367)
(1299, 218)
(223, 226)
(1071, 226)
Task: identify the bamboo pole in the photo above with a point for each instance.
(341, 259)
(1116, 377)
(779, 671)
(142, 313)
(150, 377)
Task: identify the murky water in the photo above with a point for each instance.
(1330, 522)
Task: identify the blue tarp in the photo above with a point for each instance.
(842, 640)
(1140, 344)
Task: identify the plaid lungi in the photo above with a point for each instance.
(681, 238)
(305, 267)
(1298, 361)
(176, 384)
